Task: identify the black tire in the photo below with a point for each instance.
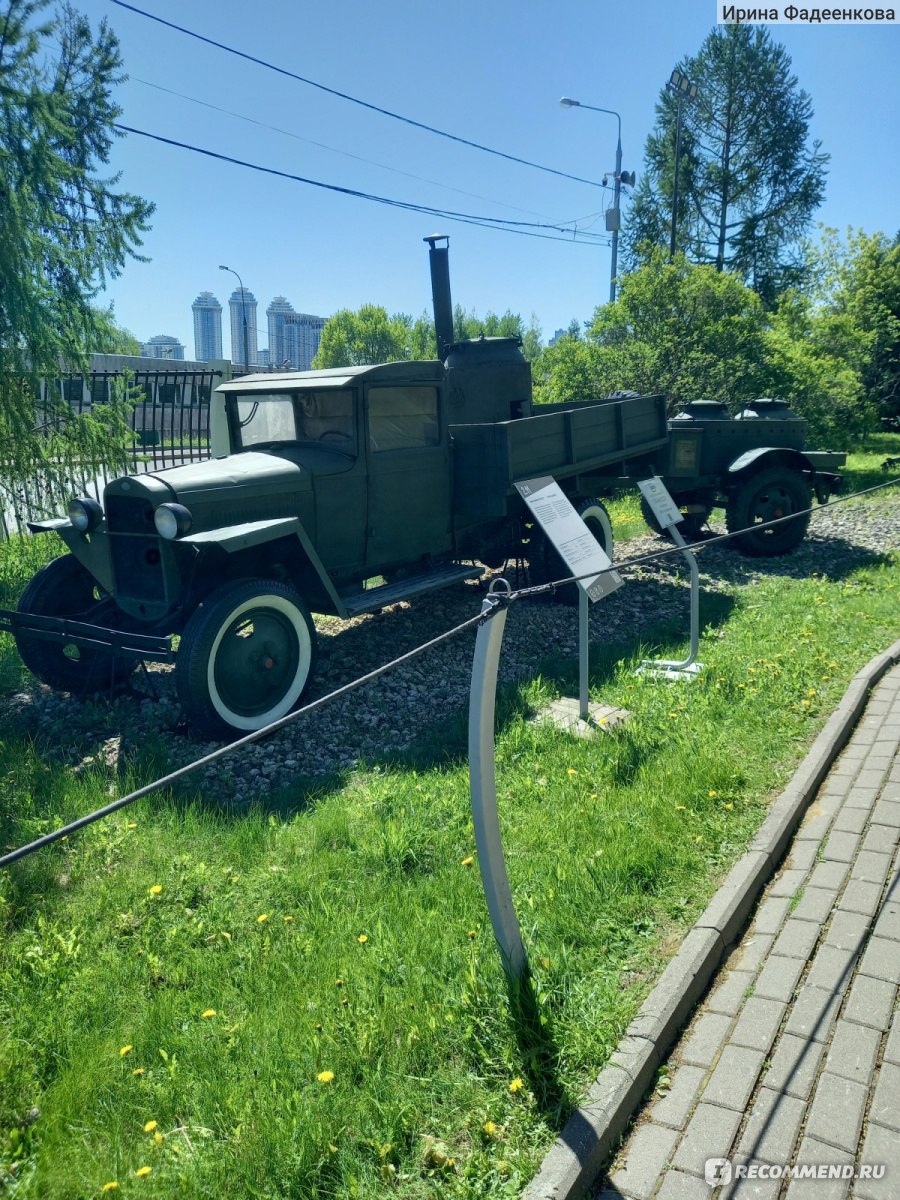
(690, 527)
(64, 588)
(763, 497)
(245, 658)
(546, 565)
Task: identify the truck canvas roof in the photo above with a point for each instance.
(336, 377)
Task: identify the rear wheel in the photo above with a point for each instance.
(64, 588)
(245, 657)
(763, 497)
(546, 565)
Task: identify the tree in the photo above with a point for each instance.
(351, 339)
(749, 177)
(66, 231)
(112, 338)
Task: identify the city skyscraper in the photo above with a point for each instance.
(242, 305)
(302, 334)
(276, 313)
(207, 327)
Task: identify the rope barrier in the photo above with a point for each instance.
(502, 600)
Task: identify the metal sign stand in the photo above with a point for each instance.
(666, 512)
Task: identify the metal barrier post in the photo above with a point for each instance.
(689, 668)
(583, 651)
(483, 789)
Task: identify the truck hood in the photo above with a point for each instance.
(251, 470)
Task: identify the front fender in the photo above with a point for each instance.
(769, 456)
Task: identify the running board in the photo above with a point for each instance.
(374, 598)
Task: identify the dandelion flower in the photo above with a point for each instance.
(489, 1128)
(208, 1012)
(680, 808)
(111, 1186)
(131, 825)
(363, 938)
(472, 935)
(339, 982)
(261, 918)
(150, 1126)
(325, 1076)
(571, 771)
(158, 1138)
(516, 1085)
(143, 1172)
(730, 805)
(286, 919)
(138, 1071)
(467, 862)
(712, 794)
(156, 889)
(123, 1050)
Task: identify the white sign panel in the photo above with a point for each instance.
(576, 545)
(664, 507)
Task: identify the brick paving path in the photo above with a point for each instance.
(794, 1057)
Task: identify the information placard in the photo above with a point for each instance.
(663, 506)
(576, 545)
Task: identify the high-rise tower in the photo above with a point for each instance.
(242, 306)
(207, 327)
(276, 313)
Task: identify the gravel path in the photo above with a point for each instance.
(386, 716)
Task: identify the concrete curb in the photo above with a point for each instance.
(592, 1131)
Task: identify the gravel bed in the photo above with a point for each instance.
(387, 716)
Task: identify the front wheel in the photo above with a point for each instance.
(691, 525)
(763, 497)
(245, 658)
(66, 589)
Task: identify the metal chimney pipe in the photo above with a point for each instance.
(439, 261)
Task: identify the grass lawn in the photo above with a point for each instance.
(307, 1001)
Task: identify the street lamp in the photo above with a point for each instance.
(613, 220)
(243, 316)
(684, 90)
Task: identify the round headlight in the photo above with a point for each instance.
(172, 520)
(85, 514)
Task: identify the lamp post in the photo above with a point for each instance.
(684, 90)
(613, 219)
(243, 316)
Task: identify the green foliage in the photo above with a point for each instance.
(110, 338)
(66, 231)
(749, 179)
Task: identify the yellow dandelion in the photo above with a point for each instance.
(339, 982)
(680, 808)
(123, 1050)
(332, 1149)
(138, 1071)
(729, 805)
(131, 825)
(143, 1172)
(712, 795)
(150, 1126)
(325, 1076)
(363, 938)
(156, 889)
(158, 1138)
(261, 918)
(472, 934)
(287, 919)
(516, 1085)
(571, 771)
(208, 1012)
(467, 862)
(111, 1186)
(674, 716)
(489, 1128)
(344, 1001)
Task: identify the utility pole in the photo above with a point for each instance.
(684, 90)
(243, 316)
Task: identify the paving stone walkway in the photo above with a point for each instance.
(793, 1059)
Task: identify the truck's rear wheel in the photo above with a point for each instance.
(546, 565)
(245, 657)
(64, 588)
(763, 497)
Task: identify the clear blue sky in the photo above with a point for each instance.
(490, 72)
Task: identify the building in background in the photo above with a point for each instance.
(242, 305)
(163, 346)
(275, 314)
(302, 334)
(207, 327)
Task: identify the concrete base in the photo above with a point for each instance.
(565, 713)
(663, 670)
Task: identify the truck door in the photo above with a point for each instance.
(409, 475)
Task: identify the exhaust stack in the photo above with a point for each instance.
(439, 261)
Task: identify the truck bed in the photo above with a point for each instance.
(559, 440)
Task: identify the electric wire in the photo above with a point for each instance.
(504, 224)
(261, 62)
(502, 599)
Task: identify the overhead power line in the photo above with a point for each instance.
(527, 228)
(385, 112)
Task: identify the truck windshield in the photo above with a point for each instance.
(324, 416)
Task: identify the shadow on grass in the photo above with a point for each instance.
(539, 1052)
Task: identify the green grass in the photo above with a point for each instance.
(375, 960)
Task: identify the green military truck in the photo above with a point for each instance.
(341, 491)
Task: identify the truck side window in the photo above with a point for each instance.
(326, 415)
(403, 418)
